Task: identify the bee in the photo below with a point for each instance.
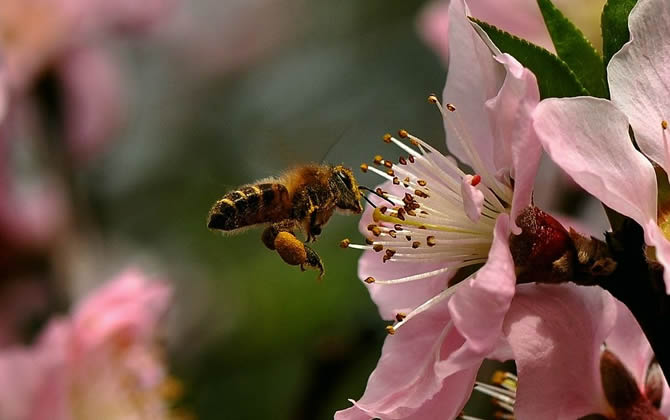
(304, 198)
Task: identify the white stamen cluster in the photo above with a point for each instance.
(425, 219)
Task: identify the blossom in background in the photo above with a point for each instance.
(443, 219)
(589, 139)
(519, 17)
(102, 361)
(67, 37)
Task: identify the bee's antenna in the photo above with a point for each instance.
(363, 187)
(368, 200)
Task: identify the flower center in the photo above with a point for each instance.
(435, 212)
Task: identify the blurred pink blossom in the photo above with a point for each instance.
(102, 361)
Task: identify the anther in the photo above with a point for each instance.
(476, 180)
(432, 98)
(344, 243)
(390, 252)
(664, 124)
(431, 241)
(397, 226)
(450, 107)
(364, 167)
(400, 316)
(408, 237)
(387, 138)
(401, 214)
(402, 160)
(378, 247)
(393, 234)
(376, 231)
(369, 241)
(421, 194)
(411, 158)
(388, 163)
(396, 181)
(380, 192)
(405, 182)
(369, 280)
(416, 244)
(383, 209)
(390, 172)
(421, 182)
(378, 159)
(403, 134)
(390, 330)
(371, 226)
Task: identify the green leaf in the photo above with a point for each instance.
(554, 77)
(575, 50)
(614, 24)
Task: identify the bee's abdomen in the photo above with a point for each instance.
(249, 206)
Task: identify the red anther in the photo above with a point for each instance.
(476, 180)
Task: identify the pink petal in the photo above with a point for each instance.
(474, 76)
(555, 333)
(639, 77)
(479, 306)
(406, 384)
(588, 138)
(128, 307)
(629, 344)
(516, 146)
(473, 198)
(402, 297)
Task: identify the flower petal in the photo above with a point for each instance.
(555, 332)
(588, 138)
(516, 147)
(405, 383)
(473, 77)
(639, 77)
(403, 297)
(479, 306)
(629, 344)
(128, 307)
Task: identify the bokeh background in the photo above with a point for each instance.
(206, 96)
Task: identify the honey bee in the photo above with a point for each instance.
(303, 198)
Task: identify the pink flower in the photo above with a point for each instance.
(443, 219)
(588, 137)
(100, 362)
(519, 17)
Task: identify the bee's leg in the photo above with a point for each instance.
(271, 232)
(291, 249)
(314, 228)
(313, 261)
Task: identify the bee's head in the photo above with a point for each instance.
(348, 194)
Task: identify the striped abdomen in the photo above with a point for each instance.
(250, 205)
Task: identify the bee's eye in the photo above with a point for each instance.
(344, 178)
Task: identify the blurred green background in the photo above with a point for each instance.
(251, 337)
